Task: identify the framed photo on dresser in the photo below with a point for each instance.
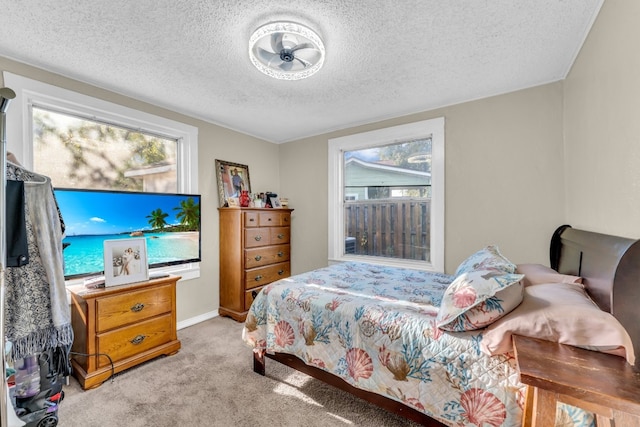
(275, 202)
(125, 261)
(233, 178)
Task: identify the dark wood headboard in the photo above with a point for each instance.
(610, 269)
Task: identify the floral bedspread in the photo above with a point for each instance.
(374, 327)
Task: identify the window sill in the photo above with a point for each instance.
(389, 262)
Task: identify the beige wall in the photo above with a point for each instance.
(567, 152)
(602, 125)
(517, 165)
(504, 178)
(197, 297)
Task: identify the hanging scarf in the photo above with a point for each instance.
(37, 314)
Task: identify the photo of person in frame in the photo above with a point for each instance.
(237, 182)
(128, 263)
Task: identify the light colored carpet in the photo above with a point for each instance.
(210, 382)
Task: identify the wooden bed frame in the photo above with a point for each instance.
(609, 266)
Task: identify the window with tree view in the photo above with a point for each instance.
(77, 152)
(387, 200)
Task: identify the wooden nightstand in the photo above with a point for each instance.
(596, 382)
(130, 323)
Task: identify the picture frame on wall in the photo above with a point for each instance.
(125, 261)
(232, 179)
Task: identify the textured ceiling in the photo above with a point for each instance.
(385, 58)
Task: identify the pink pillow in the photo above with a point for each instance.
(535, 274)
(559, 312)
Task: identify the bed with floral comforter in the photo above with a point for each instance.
(375, 327)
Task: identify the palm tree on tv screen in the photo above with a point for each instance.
(189, 214)
(157, 219)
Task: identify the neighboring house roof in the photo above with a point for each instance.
(361, 173)
(160, 167)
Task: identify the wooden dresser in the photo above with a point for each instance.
(129, 323)
(254, 251)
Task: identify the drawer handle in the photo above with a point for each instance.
(137, 307)
(269, 219)
(286, 219)
(137, 340)
(258, 257)
(280, 272)
(258, 238)
(258, 278)
(280, 254)
(254, 294)
(251, 220)
(280, 236)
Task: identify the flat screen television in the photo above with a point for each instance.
(169, 222)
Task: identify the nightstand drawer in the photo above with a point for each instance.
(258, 257)
(119, 310)
(125, 342)
(264, 275)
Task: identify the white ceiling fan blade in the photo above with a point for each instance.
(276, 42)
(302, 46)
(304, 63)
(307, 55)
(266, 56)
(286, 66)
(289, 41)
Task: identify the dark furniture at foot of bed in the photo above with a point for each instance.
(609, 266)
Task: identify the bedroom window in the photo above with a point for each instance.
(386, 196)
(84, 142)
(81, 152)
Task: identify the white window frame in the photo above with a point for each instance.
(19, 131)
(433, 128)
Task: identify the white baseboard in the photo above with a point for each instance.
(195, 320)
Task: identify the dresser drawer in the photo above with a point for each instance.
(131, 340)
(280, 235)
(258, 257)
(266, 218)
(248, 296)
(274, 218)
(123, 309)
(254, 237)
(264, 275)
(251, 219)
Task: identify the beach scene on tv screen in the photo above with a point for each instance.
(169, 222)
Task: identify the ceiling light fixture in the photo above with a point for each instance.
(286, 50)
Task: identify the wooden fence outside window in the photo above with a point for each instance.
(394, 228)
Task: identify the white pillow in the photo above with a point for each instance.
(476, 299)
(487, 258)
